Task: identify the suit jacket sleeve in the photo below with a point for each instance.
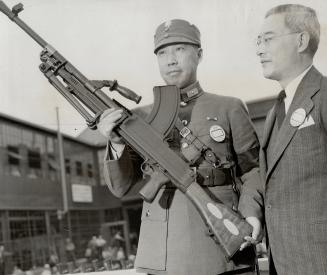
(323, 103)
(246, 148)
(122, 173)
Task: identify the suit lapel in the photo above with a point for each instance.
(269, 125)
(309, 85)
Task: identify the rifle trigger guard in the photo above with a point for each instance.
(147, 168)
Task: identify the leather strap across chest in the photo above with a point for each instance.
(195, 151)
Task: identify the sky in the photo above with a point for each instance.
(113, 39)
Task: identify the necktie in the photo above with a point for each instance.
(280, 108)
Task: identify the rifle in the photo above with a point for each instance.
(145, 136)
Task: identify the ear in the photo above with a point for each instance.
(200, 54)
(303, 41)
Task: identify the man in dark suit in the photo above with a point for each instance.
(173, 238)
(293, 156)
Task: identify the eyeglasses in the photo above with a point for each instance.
(266, 39)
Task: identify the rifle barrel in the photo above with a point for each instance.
(14, 17)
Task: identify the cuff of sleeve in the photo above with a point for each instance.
(113, 151)
(118, 175)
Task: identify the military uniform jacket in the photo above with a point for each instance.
(294, 168)
(173, 238)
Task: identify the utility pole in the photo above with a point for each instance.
(63, 177)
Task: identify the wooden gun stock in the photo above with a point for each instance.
(227, 227)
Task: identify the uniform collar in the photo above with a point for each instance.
(191, 92)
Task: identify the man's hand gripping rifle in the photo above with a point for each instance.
(146, 137)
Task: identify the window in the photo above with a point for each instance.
(13, 155)
(26, 223)
(113, 214)
(34, 159)
(13, 160)
(89, 170)
(79, 170)
(67, 165)
(50, 145)
(34, 163)
(11, 134)
(53, 167)
(18, 229)
(28, 233)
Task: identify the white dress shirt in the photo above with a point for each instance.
(292, 87)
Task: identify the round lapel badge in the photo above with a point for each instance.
(298, 117)
(217, 133)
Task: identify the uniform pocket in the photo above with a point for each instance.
(152, 246)
(155, 211)
(152, 213)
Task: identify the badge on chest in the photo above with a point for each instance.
(217, 133)
(298, 117)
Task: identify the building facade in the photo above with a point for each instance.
(33, 222)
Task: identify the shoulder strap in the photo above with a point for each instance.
(202, 150)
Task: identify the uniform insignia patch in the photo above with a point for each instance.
(192, 93)
(167, 25)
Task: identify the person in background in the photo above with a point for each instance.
(70, 250)
(3, 255)
(100, 243)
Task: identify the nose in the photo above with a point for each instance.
(171, 59)
(260, 49)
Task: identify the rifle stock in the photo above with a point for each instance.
(146, 137)
(227, 227)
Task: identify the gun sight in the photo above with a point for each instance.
(13, 12)
(17, 8)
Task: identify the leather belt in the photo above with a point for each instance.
(209, 177)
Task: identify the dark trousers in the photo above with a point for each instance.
(272, 268)
(2, 268)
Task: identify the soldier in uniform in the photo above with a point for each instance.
(173, 238)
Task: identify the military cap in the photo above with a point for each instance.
(176, 31)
